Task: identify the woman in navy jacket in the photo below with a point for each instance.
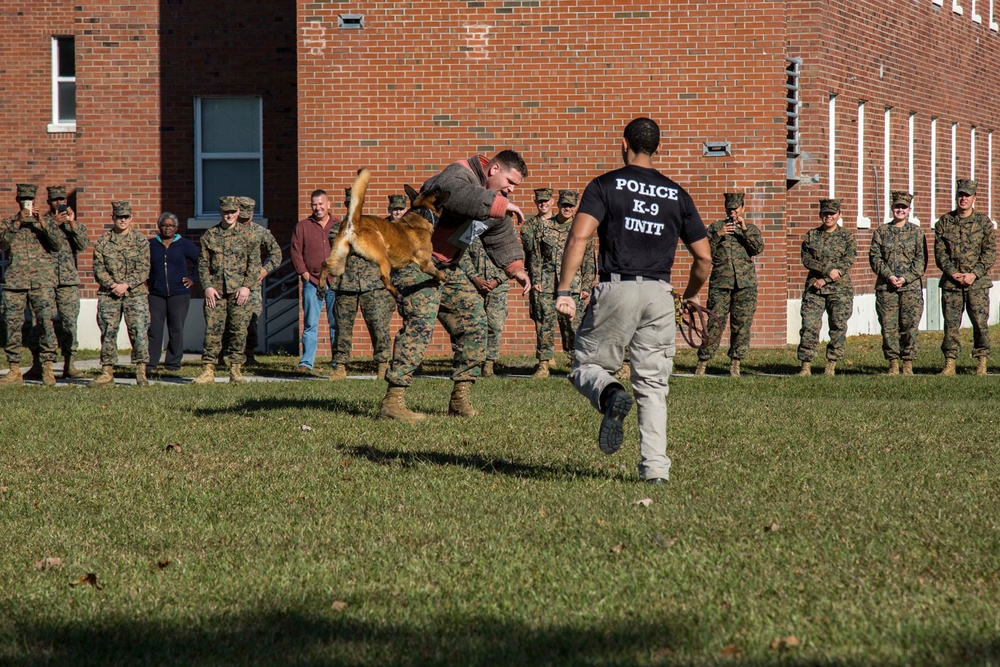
(173, 271)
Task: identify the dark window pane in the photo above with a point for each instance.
(67, 56)
(230, 125)
(67, 102)
(240, 178)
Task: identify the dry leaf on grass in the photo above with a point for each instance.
(645, 502)
(773, 528)
(163, 564)
(783, 643)
(48, 563)
(89, 579)
(730, 651)
(664, 542)
(174, 447)
(306, 427)
(618, 548)
(338, 605)
(4, 489)
(541, 512)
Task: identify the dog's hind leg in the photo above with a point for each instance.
(336, 262)
(426, 264)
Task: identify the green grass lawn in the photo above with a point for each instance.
(819, 521)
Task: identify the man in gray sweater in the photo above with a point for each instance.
(477, 207)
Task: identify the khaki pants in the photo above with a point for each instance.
(637, 316)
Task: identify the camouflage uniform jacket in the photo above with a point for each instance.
(963, 245)
(268, 246)
(229, 259)
(72, 242)
(732, 256)
(30, 249)
(822, 252)
(544, 242)
(360, 275)
(901, 252)
(475, 263)
(122, 258)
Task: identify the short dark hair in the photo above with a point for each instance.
(317, 193)
(510, 160)
(643, 135)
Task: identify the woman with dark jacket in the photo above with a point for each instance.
(173, 271)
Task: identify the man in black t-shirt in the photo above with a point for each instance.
(639, 215)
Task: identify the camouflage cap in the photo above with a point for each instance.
(228, 204)
(733, 200)
(570, 197)
(901, 197)
(56, 192)
(543, 194)
(121, 208)
(26, 191)
(966, 186)
(398, 202)
(829, 206)
(246, 205)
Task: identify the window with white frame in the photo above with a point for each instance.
(63, 85)
(228, 154)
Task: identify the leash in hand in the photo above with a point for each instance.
(693, 320)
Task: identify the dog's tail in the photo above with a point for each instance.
(357, 200)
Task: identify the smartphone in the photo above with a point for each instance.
(61, 208)
(27, 206)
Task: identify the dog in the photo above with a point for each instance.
(391, 244)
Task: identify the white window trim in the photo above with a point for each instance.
(934, 215)
(56, 127)
(957, 8)
(862, 221)
(208, 221)
(831, 171)
(886, 186)
(972, 153)
(989, 172)
(976, 18)
(994, 26)
(911, 132)
(954, 161)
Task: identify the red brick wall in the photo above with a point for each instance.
(426, 83)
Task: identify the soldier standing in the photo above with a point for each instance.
(270, 257)
(74, 241)
(828, 252)
(544, 242)
(965, 251)
(732, 289)
(493, 286)
(361, 286)
(898, 256)
(228, 269)
(121, 267)
(30, 243)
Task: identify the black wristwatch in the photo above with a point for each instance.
(563, 292)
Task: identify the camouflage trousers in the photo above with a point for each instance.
(227, 321)
(256, 304)
(899, 315)
(377, 307)
(543, 312)
(739, 305)
(976, 302)
(110, 311)
(67, 313)
(43, 308)
(838, 309)
(495, 305)
(458, 306)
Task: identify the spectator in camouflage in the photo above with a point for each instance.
(898, 256)
(965, 251)
(121, 267)
(493, 286)
(270, 258)
(732, 289)
(828, 251)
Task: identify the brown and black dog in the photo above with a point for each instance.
(391, 244)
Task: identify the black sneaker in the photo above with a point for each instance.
(616, 406)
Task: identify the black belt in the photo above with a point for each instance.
(606, 278)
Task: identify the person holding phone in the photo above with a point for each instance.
(73, 240)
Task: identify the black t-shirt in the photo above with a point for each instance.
(641, 213)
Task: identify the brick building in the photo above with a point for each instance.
(177, 101)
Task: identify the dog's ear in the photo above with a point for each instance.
(441, 199)
(411, 193)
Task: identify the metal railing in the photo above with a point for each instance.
(280, 293)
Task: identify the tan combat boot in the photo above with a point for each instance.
(461, 400)
(105, 379)
(383, 368)
(207, 375)
(699, 370)
(553, 363)
(806, 369)
(394, 406)
(13, 375)
(69, 370)
(236, 374)
(541, 370)
(48, 377)
(893, 367)
(140, 375)
(734, 368)
(487, 369)
(339, 372)
(907, 367)
(949, 367)
(831, 368)
(980, 365)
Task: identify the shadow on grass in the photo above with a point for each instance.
(356, 408)
(472, 461)
(337, 638)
